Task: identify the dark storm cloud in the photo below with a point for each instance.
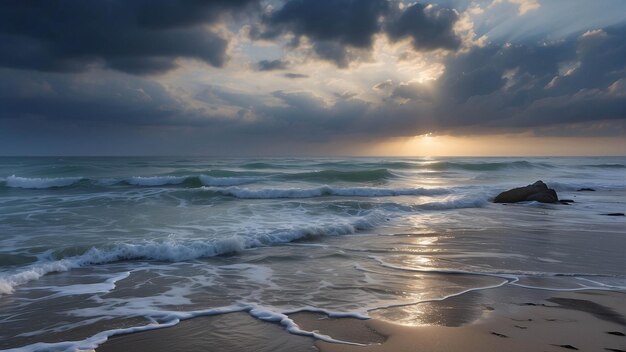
(429, 27)
(334, 52)
(349, 22)
(267, 65)
(337, 26)
(139, 37)
(52, 55)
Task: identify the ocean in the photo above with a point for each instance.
(92, 247)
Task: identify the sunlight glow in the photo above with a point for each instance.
(429, 144)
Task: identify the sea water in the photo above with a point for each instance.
(92, 247)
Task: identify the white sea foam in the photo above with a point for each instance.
(284, 320)
(40, 183)
(171, 250)
(456, 203)
(82, 289)
(33, 272)
(269, 193)
(172, 318)
(512, 276)
(156, 180)
(91, 343)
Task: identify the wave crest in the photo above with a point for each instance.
(171, 250)
(40, 183)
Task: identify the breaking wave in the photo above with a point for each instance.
(40, 183)
(171, 250)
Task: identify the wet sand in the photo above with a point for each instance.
(583, 321)
(232, 332)
(511, 319)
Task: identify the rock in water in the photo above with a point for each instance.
(538, 192)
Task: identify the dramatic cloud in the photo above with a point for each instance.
(429, 27)
(117, 76)
(348, 22)
(336, 26)
(139, 37)
(507, 85)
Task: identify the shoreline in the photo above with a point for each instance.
(516, 319)
(583, 320)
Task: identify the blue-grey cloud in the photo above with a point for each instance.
(60, 85)
(349, 22)
(271, 65)
(532, 85)
(336, 26)
(429, 28)
(139, 37)
(113, 99)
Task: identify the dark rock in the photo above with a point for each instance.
(498, 334)
(569, 347)
(538, 192)
(614, 214)
(566, 201)
(586, 190)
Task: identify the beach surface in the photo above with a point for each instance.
(302, 254)
(521, 321)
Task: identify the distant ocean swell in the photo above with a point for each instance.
(478, 166)
(424, 165)
(272, 193)
(221, 178)
(213, 186)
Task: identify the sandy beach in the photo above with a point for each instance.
(583, 320)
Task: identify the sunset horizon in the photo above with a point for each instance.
(332, 78)
(312, 175)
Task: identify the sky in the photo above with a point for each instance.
(313, 77)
